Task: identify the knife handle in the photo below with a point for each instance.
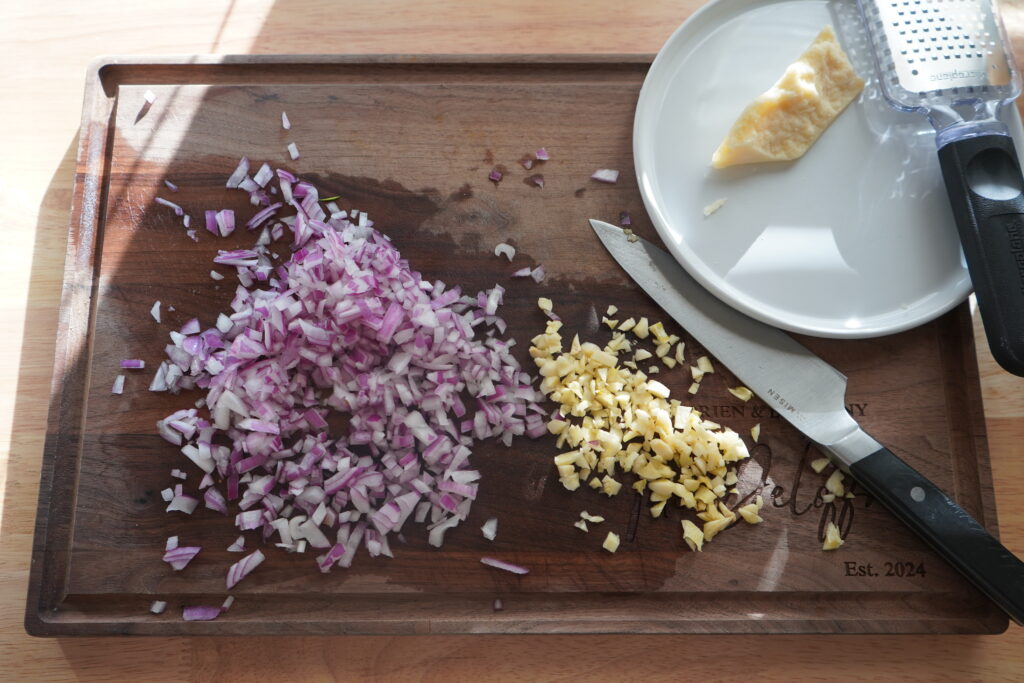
(947, 527)
(984, 183)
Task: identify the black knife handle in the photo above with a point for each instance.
(984, 183)
(947, 527)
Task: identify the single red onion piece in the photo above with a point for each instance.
(118, 387)
(293, 151)
(285, 123)
(523, 272)
(170, 186)
(526, 162)
(537, 274)
(228, 601)
(225, 220)
(625, 218)
(178, 211)
(501, 564)
(158, 606)
(133, 364)
(200, 613)
(239, 174)
(214, 500)
(606, 175)
(178, 474)
(182, 503)
(542, 154)
(149, 96)
(180, 556)
(537, 179)
(159, 382)
(237, 257)
(172, 543)
(498, 605)
(262, 215)
(495, 175)
(155, 311)
(506, 250)
(264, 175)
(241, 569)
(238, 546)
(211, 222)
(214, 275)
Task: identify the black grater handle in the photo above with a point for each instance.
(983, 178)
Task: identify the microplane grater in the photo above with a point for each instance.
(950, 61)
(941, 53)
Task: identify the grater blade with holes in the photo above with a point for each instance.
(950, 61)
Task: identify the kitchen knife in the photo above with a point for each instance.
(810, 394)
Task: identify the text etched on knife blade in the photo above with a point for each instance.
(780, 401)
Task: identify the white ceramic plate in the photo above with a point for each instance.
(855, 239)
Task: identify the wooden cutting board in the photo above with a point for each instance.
(411, 141)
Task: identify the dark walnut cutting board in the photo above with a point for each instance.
(411, 141)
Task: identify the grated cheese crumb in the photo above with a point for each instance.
(832, 538)
(742, 393)
(834, 484)
(714, 206)
(819, 465)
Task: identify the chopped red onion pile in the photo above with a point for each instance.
(343, 326)
(490, 529)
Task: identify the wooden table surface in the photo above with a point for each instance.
(44, 49)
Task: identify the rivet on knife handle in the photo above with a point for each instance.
(947, 528)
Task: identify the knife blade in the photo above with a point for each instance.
(810, 394)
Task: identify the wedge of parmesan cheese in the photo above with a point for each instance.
(782, 123)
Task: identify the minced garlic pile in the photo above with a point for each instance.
(617, 420)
